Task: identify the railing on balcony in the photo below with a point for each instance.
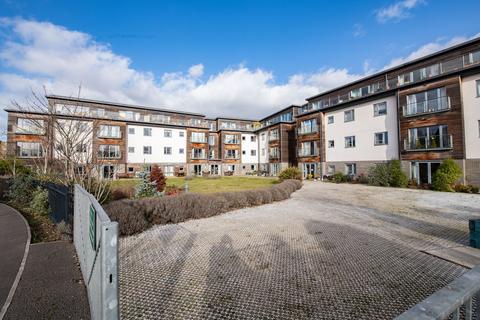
(438, 142)
(427, 106)
(199, 156)
(308, 152)
(274, 155)
(232, 141)
(232, 156)
(195, 139)
(307, 130)
(273, 137)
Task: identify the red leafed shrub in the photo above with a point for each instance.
(137, 215)
(157, 176)
(173, 191)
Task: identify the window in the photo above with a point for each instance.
(252, 167)
(351, 169)
(106, 131)
(130, 169)
(274, 134)
(253, 153)
(109, 151)
(433, 137)
(181, 134)
(231, 167)
(30, 126)
(211, 154)
(349, 115)
(331, 143)
(198, 137)
(167, 150)
(29, 149)
(381, 138)
(380, 109)
(100, 113)
(330, 119)
(198, 153)
(350, 142)
(231, 154)
(81, 147)
(243, 138)
(479, 128)
(308, 149)
(181, 151)
(263, 152)
(331, 170)
(167, 133)
(131, 149)
(244, 152)
(274, 153)
(147, 132)
(253, 138)
(169, 171)
(231, 139)
(308, 126)
(71, 110)
(433, 100)
(478, 87)
(131, 130)
(211, 140)
(147, 149)
(263, 136)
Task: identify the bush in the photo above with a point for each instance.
(136, 215)
(339, 177)
(388, 174)
(21, 190)
(446, 175)
(398, 178)
(173, 191)
(158, 178)
(7, 166)
(146, 188)
(465, 188)
(290, 173)
(122, 193)
(39, 203)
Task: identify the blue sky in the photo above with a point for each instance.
(235, 58)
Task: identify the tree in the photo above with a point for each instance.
(158, 178)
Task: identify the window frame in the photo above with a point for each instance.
(167, 133)
(131, 130)
(376, 109)
(384, 139)
(109, 131)
(351, 111)
(353, 145)
(145, 130)
(332, 118)
(149, 148)
(165, 149)
(131, 149)
(477, 82)
(331, 145)
(354, 167)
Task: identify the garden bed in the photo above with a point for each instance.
(137, 215)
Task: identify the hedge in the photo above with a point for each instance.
(137, 215)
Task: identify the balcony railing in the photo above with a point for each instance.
(233, 141)
(308, 152)
(198, 139)
(310, 130)
(232, 156)
(439, 142)
(274, 155)
(427, 106)
(273, 137)
(199, 156)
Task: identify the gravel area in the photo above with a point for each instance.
(330, 252)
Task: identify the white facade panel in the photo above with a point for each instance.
(263, 146)
(250, 147)
(363, 127)
(471, 116)
(158, 141)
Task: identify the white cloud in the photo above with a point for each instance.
(358, 30)
(397, 11)
(39, 54)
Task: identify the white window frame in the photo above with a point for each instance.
(35, 149)
(384, 140)
(147, 132)
(147, 149)
(30, 126)
(110, 148)
(167, 133)
(352, 143)
(346, 115)
(167, 150)
(354, 169)
(330, 119)
(131, 149)
(253, 153)
(379, 106)
(131, 130)
(109, 131)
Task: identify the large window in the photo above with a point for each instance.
(274, 153)
(380, 109)
(308, 149)
(231, 139)
(432, 137)
(147, 149)
(231, 154)
(381, 138)
(198, 137)
(211, 140)
(350, 142)
(274, 134)
(107, 131)
(308, 126)
(433, 100)
(198, 153)
(30, 126)
(29, 149)
(108, 151)
(72, 110)
(349, 115)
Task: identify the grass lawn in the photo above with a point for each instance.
(205, 185)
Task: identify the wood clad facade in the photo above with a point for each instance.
(226, 145)
(316, 137)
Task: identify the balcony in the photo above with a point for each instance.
(232, 156)
(199, 156)
(194, 139)
(443, 142)
(273, 137)
(310, 130)
(425, 107)
(275, 155)
(308, 152)
(232, 141)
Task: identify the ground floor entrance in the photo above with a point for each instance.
(423, 172)
(108, 171)
(197, 169)
(309, 170)
(214, 169)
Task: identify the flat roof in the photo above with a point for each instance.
(400, 66)
(124, 105)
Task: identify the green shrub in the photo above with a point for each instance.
(397, 178)
(446, 175)
(290, 173)
(136, 215)
(39, 203)
(145, 188)
(339, 177)
(21, 190)
(8, 165)
(465, 188)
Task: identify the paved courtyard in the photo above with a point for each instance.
(330, 252)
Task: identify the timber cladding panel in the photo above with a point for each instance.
(197, 145)
(316, 137)
(97, 141)
(452, 118)
(231, 146)
(287, 143)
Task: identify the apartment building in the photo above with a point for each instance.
(420, 112)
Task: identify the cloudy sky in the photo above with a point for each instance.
(220, 58)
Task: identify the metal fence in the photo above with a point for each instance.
(60, 202)
(453, 301)
(95, 238)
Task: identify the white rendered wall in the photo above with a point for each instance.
(471, 116)
(363, 128)
(157, 141)
(263, 144)
(248, 146)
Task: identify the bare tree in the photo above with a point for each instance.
(65, 133)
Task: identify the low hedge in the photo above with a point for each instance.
(137, 215)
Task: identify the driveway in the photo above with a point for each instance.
(330, 252)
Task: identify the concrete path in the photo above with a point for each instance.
(330, 252)
(14, 245)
